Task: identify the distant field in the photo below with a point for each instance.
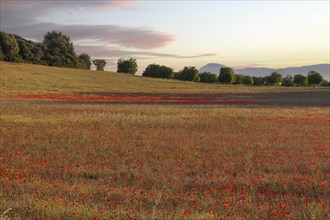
(84, 144)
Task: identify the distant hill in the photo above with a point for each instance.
(324, 69)
(212, 68)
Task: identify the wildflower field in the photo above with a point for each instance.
(86, 145)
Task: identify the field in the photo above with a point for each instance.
(97, 145)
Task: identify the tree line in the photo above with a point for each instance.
(227, 76)
(55, 50)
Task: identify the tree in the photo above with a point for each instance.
(157, 71)
(208, 77)
(257, 81)
(238, 79)
(151, 70)
(248, 80)
(300, 80)
(226, 75)
(9, 47)
(127, 66)
(85, 61)
(39, 54)
(25, 49)
(287, 81)
(59, 50)
(100, 64)
(314, 78)
(188, 74)
(275, 79)
(165, 72)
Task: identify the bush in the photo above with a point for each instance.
(208, 77)
(287, 81)
(238, 79)
(248, 80)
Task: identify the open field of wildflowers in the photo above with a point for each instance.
(79, 154)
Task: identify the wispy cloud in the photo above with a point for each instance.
(131, 37)
(104, 51)
(51, 4)
(25, 18)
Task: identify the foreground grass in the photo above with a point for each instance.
(165, 162)
(63, 160)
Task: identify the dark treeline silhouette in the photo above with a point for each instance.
(55, 50)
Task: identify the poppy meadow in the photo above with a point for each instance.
(216, 152)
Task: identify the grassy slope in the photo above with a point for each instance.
(36, 79)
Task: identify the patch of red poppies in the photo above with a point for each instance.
(125, 99)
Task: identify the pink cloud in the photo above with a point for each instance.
(129, 37)
(45, 4)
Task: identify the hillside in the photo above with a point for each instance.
(37, 79)
(261, 71)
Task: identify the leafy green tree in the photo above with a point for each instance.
(275, 79)
(30, 51)
(60, 50)
(158, 71)
(85, 61)
(25, 49)
(287, 81)
(226, 75)
(208, 77)
(257, 81)
(247, 80)
(100, 64)
(165, 72)
(9, 47)
(151, 70)
(300, 80)
(238, 79)
(188, 74)
(38, 52)
(314, 78)
(127, 66)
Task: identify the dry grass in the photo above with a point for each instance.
(82, 161)
(36, 79)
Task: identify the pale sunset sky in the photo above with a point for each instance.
(275, 34)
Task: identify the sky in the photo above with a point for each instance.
(274, 34)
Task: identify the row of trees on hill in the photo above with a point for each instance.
(227, 76)
(55, 50)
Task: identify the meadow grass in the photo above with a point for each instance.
(148, 161)
(36, 79)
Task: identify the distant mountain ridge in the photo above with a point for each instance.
(323, 69)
